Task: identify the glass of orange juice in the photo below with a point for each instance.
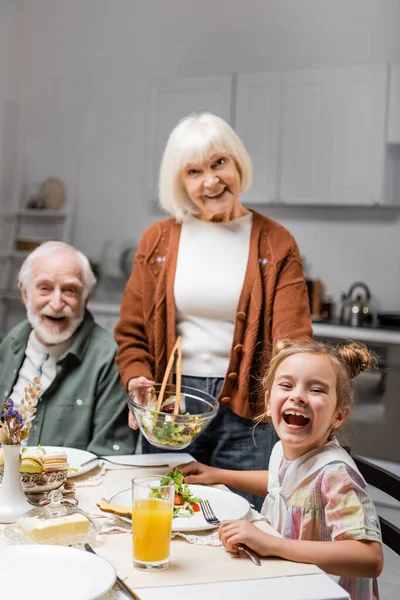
(152, 507)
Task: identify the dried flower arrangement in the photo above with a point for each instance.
(18, 421)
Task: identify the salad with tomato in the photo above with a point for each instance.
(185, 503)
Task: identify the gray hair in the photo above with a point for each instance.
(89, 280)
(193, 140)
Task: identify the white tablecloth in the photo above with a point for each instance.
(204, 571)
(199, 571)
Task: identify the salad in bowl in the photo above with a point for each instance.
(165, 429)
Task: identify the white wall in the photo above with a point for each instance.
(9, 93)
(85, 71)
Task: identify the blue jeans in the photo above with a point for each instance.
(230, 441)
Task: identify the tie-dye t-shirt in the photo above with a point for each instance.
(333, 504)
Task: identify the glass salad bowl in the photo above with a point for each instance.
(162, 428)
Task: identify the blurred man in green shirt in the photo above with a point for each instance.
(83, 404)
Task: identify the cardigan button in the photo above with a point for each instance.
(238, 348)
(226, 399)
(232, 376)
(241, 315)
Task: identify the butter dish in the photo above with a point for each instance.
(55, 523)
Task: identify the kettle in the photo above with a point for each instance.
(356, 308)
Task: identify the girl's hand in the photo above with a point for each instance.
(135, 386)
(196, 472)
(233, 533)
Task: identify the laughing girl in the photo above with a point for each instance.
(316, 497)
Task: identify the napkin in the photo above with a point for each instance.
(211, 538)
(3, 543)
(92, 478)
(114, 524)
(113, 594)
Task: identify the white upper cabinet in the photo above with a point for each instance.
(306, 137)
(359, 135)
(316, 137)
(394, 106)
(173, 99)
(257, 122)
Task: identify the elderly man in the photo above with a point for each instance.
(83, 404)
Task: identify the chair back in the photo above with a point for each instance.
(389, 483)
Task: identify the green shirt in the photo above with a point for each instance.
(85, 405)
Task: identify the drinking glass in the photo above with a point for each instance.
(152, 507)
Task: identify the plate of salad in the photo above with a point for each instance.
(187, 514)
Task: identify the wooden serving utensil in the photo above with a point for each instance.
(176, 350)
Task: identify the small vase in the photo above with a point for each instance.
(13, 502)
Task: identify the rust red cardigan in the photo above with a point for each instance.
(273, 305)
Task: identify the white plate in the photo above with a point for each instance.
(50, 572)
(76, 458)
(226, 505)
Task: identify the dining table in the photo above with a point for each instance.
(196, 570)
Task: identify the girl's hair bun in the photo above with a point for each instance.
(356, 357)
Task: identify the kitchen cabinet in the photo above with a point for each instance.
(316, 137)
(334, 140)
(393, 136)
(306, 135)
(173, 99)
(359, 136)
(257, 122)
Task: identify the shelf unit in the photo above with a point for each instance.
(23, 222)
(37, 213)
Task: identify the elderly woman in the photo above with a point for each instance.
(226, 279)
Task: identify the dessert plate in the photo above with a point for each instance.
(53, 572)
(76, 458)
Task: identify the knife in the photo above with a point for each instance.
(251, 554)
(130, 593)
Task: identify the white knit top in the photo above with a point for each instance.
(211, 267)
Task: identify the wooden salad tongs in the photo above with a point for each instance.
(176, 351)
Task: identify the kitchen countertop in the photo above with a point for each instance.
(320, 329)
(361, 334)
(105, 308)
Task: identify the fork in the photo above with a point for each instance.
(211, 518)
(208, 513)
(113, 462)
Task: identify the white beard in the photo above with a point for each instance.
(47, 336)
